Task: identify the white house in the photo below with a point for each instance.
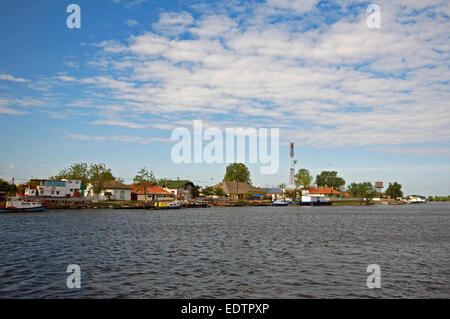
(45, 187)
(113, 190)
(182, 189)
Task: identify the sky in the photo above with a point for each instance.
(370, 103)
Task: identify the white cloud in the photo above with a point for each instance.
(131, 22)
(10, 111)
(118, 138)
(409, 150)
(280, 63)
(8, 77)
(173, 22)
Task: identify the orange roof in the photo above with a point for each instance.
(150, 190)
(323, 190)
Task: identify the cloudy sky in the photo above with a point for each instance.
(372, 104)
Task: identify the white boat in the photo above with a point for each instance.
(416, 199)
(315, 200)
(17, 204)
(281, 202)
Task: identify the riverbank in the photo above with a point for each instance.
(81, 204)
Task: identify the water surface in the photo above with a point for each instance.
(245, 252)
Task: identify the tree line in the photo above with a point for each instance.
(98, 175)
(363, 190)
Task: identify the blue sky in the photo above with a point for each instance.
(372, 104)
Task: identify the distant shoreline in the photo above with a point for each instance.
(71, 204)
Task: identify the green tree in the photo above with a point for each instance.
(77, 171)
(394, 190)
(365, 191)
(329, 179)
(282, 186)
(303, 178)
(4, 186)
(292, 193)
(143, 179)
(237, 172)
(195, 191)
(208, 191)
(10, 189)
(218, 191)
(99, 175)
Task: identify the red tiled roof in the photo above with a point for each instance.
(150, 190)
(323, 190)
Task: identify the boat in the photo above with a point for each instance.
(17, 204)
(281, 202)
(176, 204)
(416, 199)
(314, 200)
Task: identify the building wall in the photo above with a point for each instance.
(183, 192)
(65, 188)
(156, 197)
(116, 194)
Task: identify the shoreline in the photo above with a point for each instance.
(53, 204)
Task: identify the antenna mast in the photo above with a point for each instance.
(291, 184)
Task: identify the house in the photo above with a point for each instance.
(273, 193)
(45, 187)
(182, 189)
(238, 190)
(327, 191)
(112, 190)
(152, 193)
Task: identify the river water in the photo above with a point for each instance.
(242, 252)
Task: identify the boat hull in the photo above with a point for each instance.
(22, 210)
(315, 203)
(166, 207)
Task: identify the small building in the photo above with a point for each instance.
(327, 191)
(153, 193)
(50, 188)
(113, 190)
(238, 190)
(182, 189)
(273, 193)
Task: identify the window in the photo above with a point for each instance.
(53, 192)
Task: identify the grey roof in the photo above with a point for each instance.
(272, 190)
(241, 187)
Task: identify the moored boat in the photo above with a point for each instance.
(314, 200)
(416, 199)
(176, 204)
(17, 205)
(280, 202)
